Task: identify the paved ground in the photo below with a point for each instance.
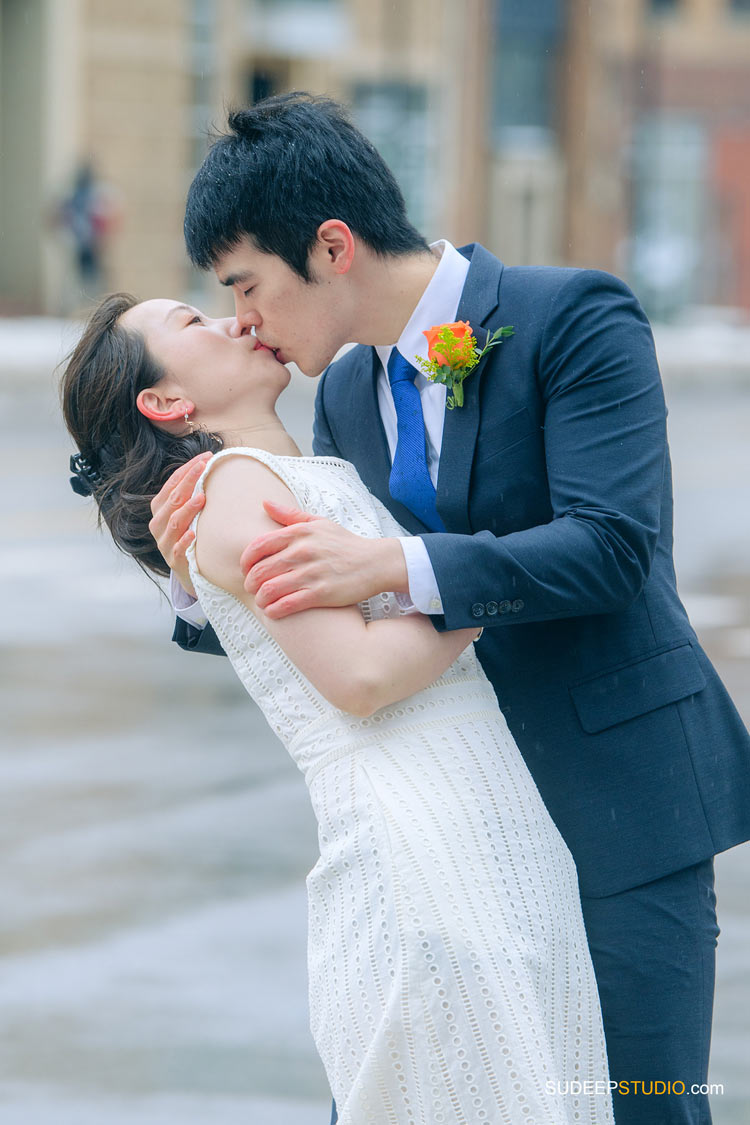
(154, 837)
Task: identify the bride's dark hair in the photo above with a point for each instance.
(124, 459)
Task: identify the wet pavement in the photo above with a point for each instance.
(154, 837)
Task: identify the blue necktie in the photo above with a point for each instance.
(410, 478)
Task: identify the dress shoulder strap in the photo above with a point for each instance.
(282, 467)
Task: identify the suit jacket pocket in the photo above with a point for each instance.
(625, 693)
(504, 433)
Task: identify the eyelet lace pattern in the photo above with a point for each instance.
(450, 978)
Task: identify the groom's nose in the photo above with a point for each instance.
(247, 315)
(237, 328)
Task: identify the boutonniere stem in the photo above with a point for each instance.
(453, 353)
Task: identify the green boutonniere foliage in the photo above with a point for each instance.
(453, 353)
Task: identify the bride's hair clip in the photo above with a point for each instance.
(85, 476)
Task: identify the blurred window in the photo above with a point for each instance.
(664, 7)
(203, 74)
(394, 116)
(670, 251)
(298, 28)
(528, 44)
(740, 7)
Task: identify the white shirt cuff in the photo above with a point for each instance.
(184, 606)
(423, 587)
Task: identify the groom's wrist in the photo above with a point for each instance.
(423, 594)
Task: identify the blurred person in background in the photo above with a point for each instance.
(541, 509)
(89, 215)
(450, 977)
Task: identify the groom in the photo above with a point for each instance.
(541, 509)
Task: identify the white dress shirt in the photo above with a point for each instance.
(438, 305)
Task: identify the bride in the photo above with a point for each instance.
(450, 979)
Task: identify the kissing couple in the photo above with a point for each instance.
(460, 617)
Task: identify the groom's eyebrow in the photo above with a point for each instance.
(236, 279)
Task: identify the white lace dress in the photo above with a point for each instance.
(450, 979)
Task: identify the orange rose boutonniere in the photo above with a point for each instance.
(453, 353)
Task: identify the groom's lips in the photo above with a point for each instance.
(260, 346)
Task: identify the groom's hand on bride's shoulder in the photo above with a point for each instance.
(172, 512)
(310, 563)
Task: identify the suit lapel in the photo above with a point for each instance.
(478, 302)
(373, 459)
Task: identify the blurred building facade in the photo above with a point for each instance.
(658, 148)
(614, 134)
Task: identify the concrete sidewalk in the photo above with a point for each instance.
(34, 345)
(157, 837)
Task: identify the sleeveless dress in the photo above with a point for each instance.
(449, 974)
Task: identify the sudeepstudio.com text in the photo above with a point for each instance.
(655, 1088)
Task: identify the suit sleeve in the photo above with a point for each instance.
(193, 639)
(605, 445)
(324, 444)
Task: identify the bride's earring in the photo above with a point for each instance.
(188, 422)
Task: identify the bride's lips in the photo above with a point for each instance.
(261, 347)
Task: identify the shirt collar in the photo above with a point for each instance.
(437, 305)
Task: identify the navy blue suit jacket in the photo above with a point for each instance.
(555, 490)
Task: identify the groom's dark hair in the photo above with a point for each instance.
(283, 167)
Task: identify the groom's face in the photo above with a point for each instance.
(303, 322)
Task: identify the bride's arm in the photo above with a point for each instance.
(358, 666)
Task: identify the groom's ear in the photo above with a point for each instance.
(335, 246)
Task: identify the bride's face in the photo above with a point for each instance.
(224, 377)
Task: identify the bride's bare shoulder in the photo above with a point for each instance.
(234, 515)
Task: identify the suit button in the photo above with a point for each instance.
(491, 608)
(504, 607)
(518, 605)
(477, 610)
